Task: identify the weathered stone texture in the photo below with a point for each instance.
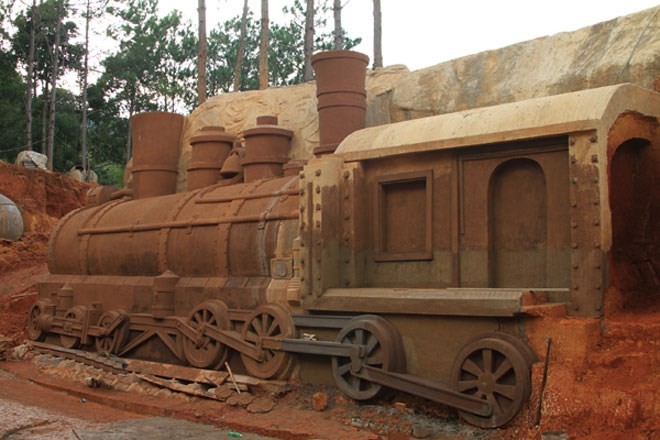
(626, 49)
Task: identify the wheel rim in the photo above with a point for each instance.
(521, 346)
(383, 349)
(273, 321)
(207, 352)
(35, 332)
(113, 341)
(73, 315)
(494, 370)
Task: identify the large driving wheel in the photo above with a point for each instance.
(35, 318)
(206, 352)
(521, 346)
(73, 316)
(494, 370)
(381, 347)
(272, 321)
(114, 340)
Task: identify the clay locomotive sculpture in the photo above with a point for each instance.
(412, 253)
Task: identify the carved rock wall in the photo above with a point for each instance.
(626, 49)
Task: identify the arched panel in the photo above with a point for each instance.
(518, 218)
(635, 205)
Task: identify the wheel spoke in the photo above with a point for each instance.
(488, 360)
(354, 381)
(373, 342)
(376, 359)
(251, 336)
(497, 408)
(508, 391)
(359, 336)
(271, 330)
(465, 385)
(502, 369)
(343, 369)
(471, 367)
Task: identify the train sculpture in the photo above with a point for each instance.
(409, 254)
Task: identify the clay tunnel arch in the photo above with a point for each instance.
(518, 220)
(634, 192)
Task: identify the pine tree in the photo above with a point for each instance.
(263, 47)
(338, 33)
(202, 53)
(309, 40)
(241, 49)
(378, 31)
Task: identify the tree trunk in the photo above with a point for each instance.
(263, 47)
(30, 73)
(129, 138)
(339, 34)
(241, 49)
(83, 121)
(309, 40)
(53, 92)
(378, 31)
(44, 117)
(202, 53)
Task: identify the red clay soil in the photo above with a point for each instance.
(19, 388)
(603, 377)
(43, 199)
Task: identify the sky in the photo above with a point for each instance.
(421, 33)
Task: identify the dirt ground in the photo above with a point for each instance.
(603, 375)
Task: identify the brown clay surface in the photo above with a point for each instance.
(603, 381)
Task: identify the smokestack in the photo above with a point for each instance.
(210, 148)
(266, 149)
(156, 138)
(342, 98)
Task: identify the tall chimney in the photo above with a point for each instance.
(342, 98)
(156, 138)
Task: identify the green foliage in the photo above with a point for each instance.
(286, 59)
(12, 92)
(286, 55)
(153, 68)
(70, 53)
(66, 148)
(106, 128)
(223, 47)
(110, 173)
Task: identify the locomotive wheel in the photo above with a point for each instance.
(382, 349)
(522, 347)
(273, 321)
(75, 314)
(495, 370)
(34, 330)
(113, 341)
(207, 352)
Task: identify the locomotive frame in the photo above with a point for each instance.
(382, 250)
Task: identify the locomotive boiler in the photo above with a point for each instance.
(410, 254)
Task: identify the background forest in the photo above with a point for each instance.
(151, 65)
